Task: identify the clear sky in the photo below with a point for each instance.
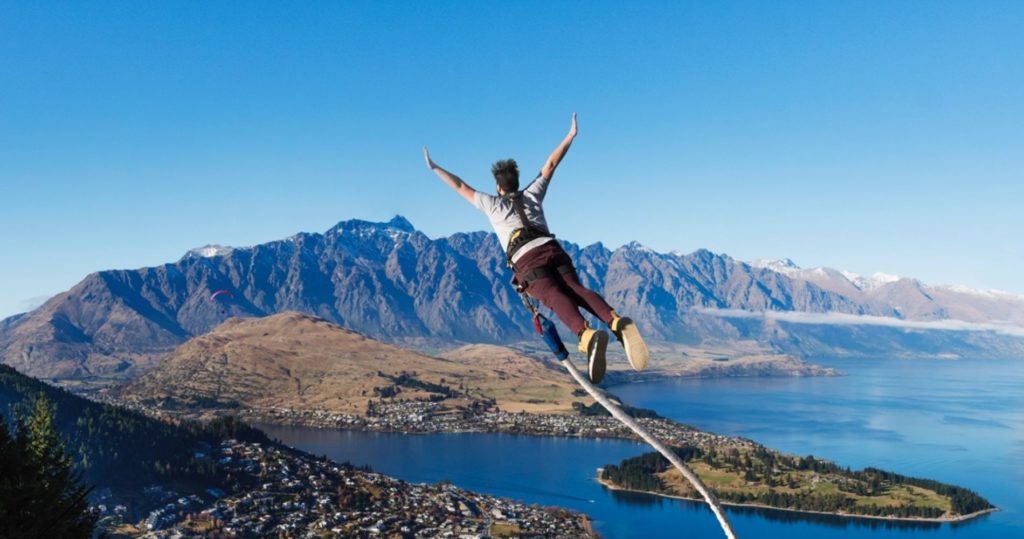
(868, 136)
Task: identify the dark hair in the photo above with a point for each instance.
(506, 173)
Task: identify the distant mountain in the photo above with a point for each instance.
(908, 298)
(393, 283)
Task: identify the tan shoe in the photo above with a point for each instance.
(593, 344)
(636, 349)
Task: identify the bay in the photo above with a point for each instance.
(960, 422)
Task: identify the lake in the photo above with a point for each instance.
(959, 422)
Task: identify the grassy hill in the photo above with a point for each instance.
(298, 362)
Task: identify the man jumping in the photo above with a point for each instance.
(540, 264)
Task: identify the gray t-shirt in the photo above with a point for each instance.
(505, 220)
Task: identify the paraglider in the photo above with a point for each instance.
(222, 294)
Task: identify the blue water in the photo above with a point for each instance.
(956, 421)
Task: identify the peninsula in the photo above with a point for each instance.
(753, 475)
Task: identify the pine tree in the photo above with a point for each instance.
(40, 494)
(13, 476)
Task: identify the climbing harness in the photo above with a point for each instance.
(543, 272)
(520, 237)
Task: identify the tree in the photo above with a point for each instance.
(40, 493)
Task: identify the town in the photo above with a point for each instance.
(286, 493)
(421, 417)
(283, 492)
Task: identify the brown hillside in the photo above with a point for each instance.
(295, 361)
(519, 383)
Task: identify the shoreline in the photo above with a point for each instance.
(939, 520)
(597, 428)
(713, 371)
(543, 425)
(480, 429)
(606, 435)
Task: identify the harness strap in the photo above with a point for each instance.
(517, 203)
(543, 272)
(525, 234)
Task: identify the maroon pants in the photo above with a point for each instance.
(562, 292)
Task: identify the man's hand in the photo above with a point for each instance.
(556, 156)
(430, 163)
(453, 181)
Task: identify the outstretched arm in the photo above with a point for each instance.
(559, 153)
(452, 180)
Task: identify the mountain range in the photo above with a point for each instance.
(910, 299)
(391, 282)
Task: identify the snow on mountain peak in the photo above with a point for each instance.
(208, 251)
(782, 265)
(851, 276)
(637, 246)
(878, 278)
(397, 227)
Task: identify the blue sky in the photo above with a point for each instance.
(869, 136)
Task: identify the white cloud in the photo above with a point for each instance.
(797, 317)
